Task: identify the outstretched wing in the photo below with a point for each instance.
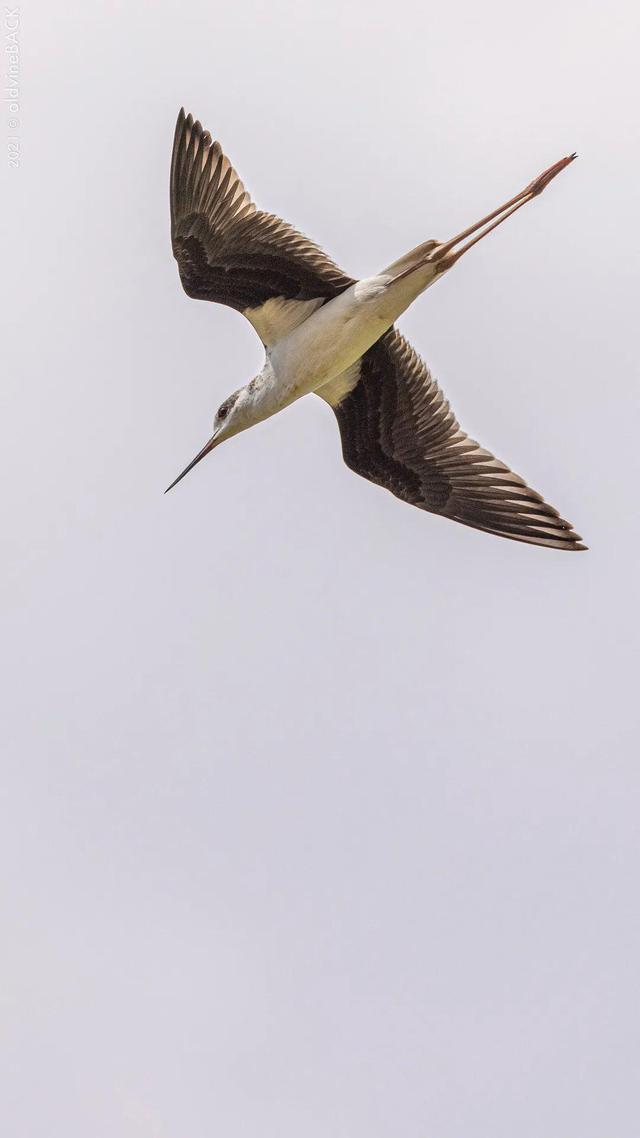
(230, 252)
(399, 431)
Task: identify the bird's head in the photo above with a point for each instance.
(233, 415)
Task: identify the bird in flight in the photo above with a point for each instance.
(327, 333)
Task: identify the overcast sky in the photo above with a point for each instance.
(319, 814)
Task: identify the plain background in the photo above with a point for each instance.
(319, 814)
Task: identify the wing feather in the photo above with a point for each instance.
(398, 431)
(230, 252)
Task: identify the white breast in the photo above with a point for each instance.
(332, 338)
(341, 331)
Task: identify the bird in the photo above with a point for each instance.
(327, 333)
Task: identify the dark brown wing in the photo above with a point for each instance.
(399, 431)
(230, 252)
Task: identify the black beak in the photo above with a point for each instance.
(209, 446)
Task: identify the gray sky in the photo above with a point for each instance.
(320, 815)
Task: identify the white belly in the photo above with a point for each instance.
(335, 336)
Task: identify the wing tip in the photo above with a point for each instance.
(181, 121)
(564, 540)
(574, 542)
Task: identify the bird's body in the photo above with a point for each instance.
(327, 333)
(343, 329)
(319, 353)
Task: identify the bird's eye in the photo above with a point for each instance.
(222, 413)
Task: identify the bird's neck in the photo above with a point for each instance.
(263, 394)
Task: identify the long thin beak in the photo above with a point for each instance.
(209, 446)
(446, 255)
